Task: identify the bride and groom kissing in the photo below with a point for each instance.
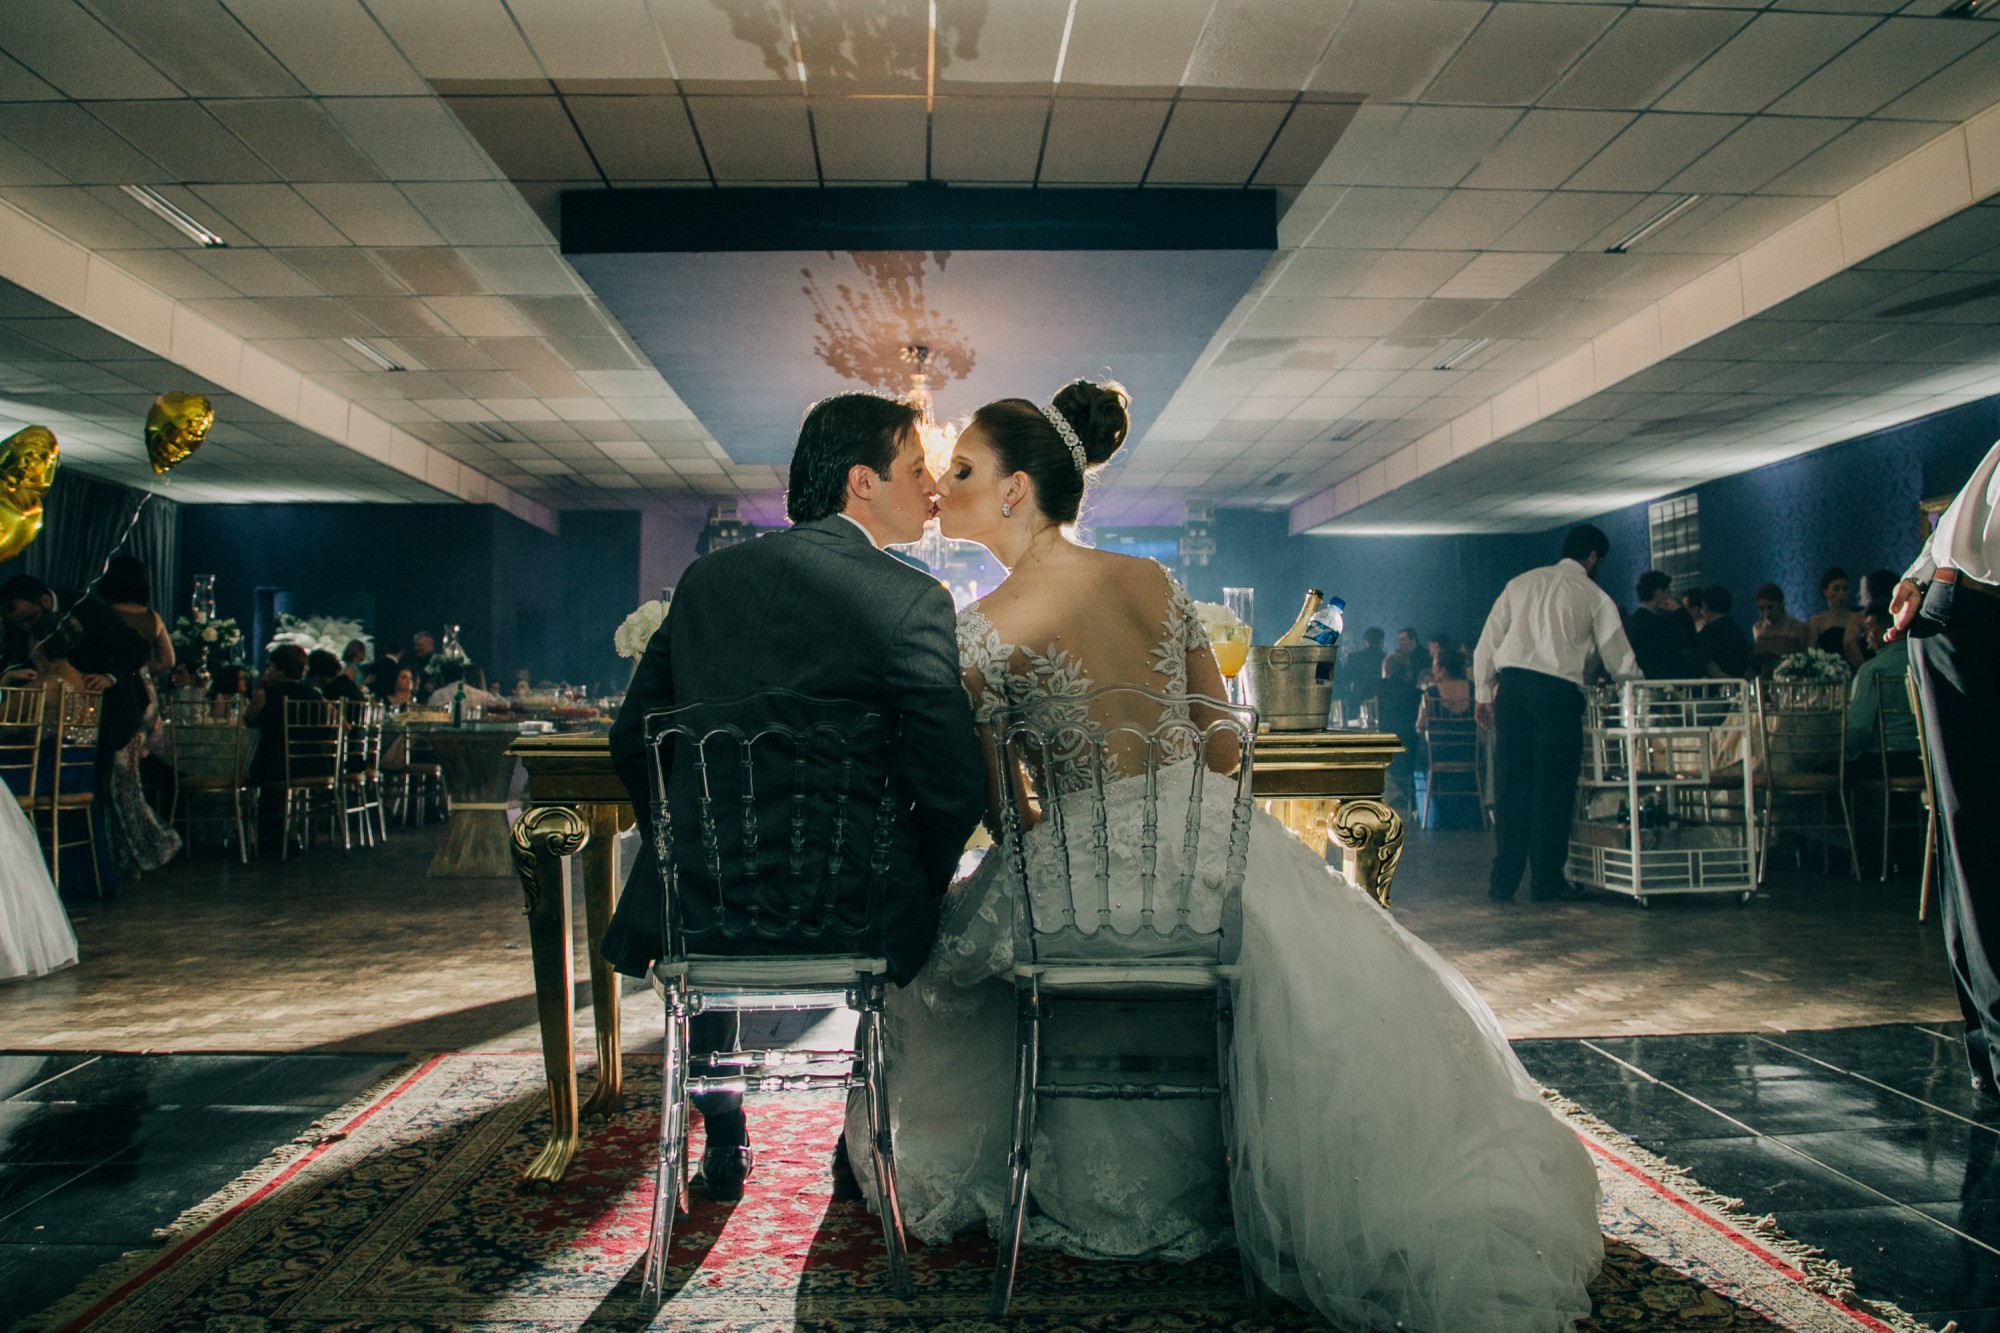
(1393, 1165)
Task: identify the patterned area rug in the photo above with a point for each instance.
(404, 1211)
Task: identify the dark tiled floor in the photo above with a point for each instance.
(97, 1151)
(1867, 1142)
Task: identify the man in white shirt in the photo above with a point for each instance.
(1535, 656)
(1948, 604)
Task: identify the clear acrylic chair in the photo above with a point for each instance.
(773, 817)
(361, 772)
(1063, 755)
(1451, 747)
(1895, 716)
(209, 749)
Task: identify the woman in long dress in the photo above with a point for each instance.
(35, 937)
(1394, 1165)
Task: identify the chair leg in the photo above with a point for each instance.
(669, 1173)
(881, 1149)
(55, 845)
(90, 832)
(1930, 860)
(1225, 1069)
(1027, 1071)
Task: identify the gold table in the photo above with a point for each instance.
(1319, 783)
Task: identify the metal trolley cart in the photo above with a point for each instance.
(1665, 804)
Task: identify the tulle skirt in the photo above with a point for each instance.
(1395, 1165)
(35, 937)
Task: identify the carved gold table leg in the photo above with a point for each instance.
(600, 892)
(546, 835)
(1373, 834)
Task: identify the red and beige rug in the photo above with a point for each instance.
(405, 1212)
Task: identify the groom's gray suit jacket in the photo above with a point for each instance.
(816, 609)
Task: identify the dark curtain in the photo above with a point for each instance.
(81, 517)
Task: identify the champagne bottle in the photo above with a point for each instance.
(1297, 633)
(458, 705)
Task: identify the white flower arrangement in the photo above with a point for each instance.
(637, 631)
(1811, 666)
(316, 632)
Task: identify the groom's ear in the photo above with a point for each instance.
(862, 482)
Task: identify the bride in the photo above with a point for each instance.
(35, 936)
(1395, 1164)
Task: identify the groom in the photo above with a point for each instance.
(822, 609)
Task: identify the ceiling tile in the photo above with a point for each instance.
(522, 270)
(78, 55)
(855, 46)
(1883, 66)
(1544, 148)
(1762, 148)
(458, 39)
(1410, 273)
(1472, 219)
(411, 138)
(1375, 217)
(870, 138)
(370, 214)
(755, 138)
(477, 212)
(1101, 141)
(1133, 43)
(593, 39)
(1012, 43)
(341, 271)
(1215, 143)
(170, 270)
(253, 273)
(18, 85)
(268, 214)
(645, 138)
(81, 216)
(1518, 52)
(987, 138)
(1390, 50)
(1956, 93)
(201, 47)
(528, 138)
(1854, 156)
(1653, 150)
(297, 138)
(184, 139)
(1642, 56)
(1764, 61)
(67, 138)
(715, 49)
(1263, 43)
(1496, 276)
(1304, 141)
(1437, 145)
(334, 49)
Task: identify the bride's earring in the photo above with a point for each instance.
(1006, 510)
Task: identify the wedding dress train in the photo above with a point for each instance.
(1395, 1165)
(35, 937)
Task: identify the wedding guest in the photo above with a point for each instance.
(284, 679)
(1529, 677)
(1450, 694)
(1949, 602)
(1660, 629)
(82, 630)
(1777, 633)
(423, 647)
(141, 842)
(324, 673)
(1887, 668)
(354, 660)
(1435, 647)
(1396, 707)
(1877, 587)
(1399, 665)
(231, 681)
(402, 690)
(1826, 629)
(1691, 603)
(380, 677)
(128, 589)
(183, 683)
(1360, 677)
(1721, 649)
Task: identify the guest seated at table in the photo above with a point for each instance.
(1877, 586)
(183, 684)
(1882, 672)
(1777, 633)
(354, 660)
(1449, 696)
(1659, 629)
(380, 676)
(1435, 647)
(1720, 647)
(324, 674)
(402, 690)
(284, 679)
(452, 675)
(230, 682)
(1827, 627)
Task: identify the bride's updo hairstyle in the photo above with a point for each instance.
(1024, 440)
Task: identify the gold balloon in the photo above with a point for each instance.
(176, 427)
(27, 466)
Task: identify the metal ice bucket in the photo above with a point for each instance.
(1291, 688)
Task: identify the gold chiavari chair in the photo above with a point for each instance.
(66, 773)
(21, 710)
(209, 749)
(361, 773)
(315, 740)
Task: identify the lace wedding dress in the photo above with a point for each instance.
(34, 930)
(1395, 1166)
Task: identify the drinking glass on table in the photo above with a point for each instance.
(1232, 642)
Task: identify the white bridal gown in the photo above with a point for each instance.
(1396, 1166)
(34, 930)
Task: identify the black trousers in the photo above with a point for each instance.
(1537, 758)
(1958, 683)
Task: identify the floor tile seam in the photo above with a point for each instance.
(1875, 1083)
(20, 1093)
(29, 1202)
(1800, 1153)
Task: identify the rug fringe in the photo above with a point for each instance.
(1823, 1275)
(117, 1272)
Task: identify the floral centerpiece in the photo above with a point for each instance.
(199, 638)
(637, 630)
(319, 632)
(1811, 666)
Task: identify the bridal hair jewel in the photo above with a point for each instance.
(1069, 437)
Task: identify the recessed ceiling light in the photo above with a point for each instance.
(369, 350)
(1458, 358)
(165, 209)
(1654, 223)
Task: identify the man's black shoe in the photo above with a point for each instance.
(845, 1186)
(723, 1171)
(1568, 893)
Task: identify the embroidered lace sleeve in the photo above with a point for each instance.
(982, 658)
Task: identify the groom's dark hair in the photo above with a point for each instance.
(837, 434)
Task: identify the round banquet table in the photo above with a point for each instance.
(473, 756)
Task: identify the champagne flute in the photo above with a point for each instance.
(1232, 643)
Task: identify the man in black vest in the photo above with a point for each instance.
(819, 608)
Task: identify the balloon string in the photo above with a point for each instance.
(119, 545)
